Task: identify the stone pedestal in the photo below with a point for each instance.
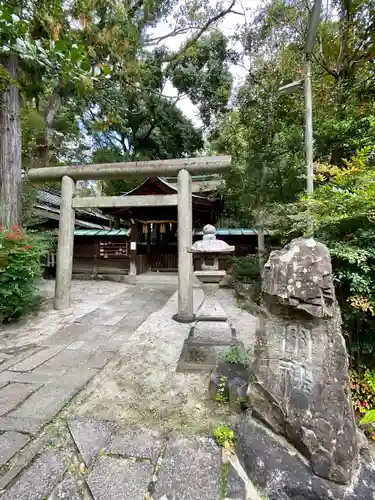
(210, 309)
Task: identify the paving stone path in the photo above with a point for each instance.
(94, 459)
(126, 464)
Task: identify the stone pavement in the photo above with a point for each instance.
(116, 463)
(48, 454)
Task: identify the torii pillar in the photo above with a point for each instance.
(64, 257)
(185, 313)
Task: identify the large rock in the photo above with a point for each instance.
(281, 473)
(299, 383)
(300, 275)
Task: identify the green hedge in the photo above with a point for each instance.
(246, 269)
(21, 256)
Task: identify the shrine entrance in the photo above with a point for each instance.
(155, 229)
(157, 242)
(180, 197)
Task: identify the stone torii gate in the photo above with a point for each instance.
(183, 168)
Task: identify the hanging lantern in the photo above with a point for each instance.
(145, 229)
(162, 228)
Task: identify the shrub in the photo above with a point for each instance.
(369, 418)
(236, 354)
(246, 269)
(20, 267)
(225, 436)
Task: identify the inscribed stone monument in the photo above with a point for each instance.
(299, 383)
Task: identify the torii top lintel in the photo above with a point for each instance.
(198, 165)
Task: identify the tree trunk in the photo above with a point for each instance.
(10, 149)
(45, 140)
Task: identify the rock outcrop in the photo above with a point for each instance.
(280, 472)
(299, 377)
(300, 276)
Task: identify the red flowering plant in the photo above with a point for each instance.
(21, 265)
(363, 396)
(362, 386)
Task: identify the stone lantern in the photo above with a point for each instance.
(210, 276)
(211, 332)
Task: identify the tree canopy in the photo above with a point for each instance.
(90, 74)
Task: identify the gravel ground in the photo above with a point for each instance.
(143, 387)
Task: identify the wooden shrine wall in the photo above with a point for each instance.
(101, 256)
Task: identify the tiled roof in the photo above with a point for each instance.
(199, 185)
(50, 198)
(226, 231)
(102, 232)
(172, 185)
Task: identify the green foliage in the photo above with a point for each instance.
(266, 147)
(222, 390)
(236, 354)
(20, 268)
(92, 76)
(96, 64)
(243, 402)
(154, 128)
(114, 187)
(246, 269)
(202, 72)
(342, 213)
(264, 131)
(369, 418)
(225, 436)
(363, 390)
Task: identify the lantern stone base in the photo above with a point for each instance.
(207, 341)
(214, 332)
(199, 356)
